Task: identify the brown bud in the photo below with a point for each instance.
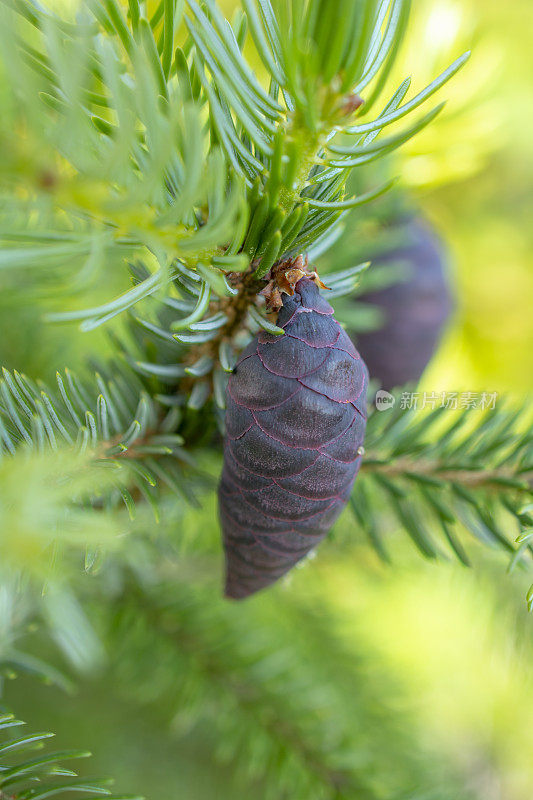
(351, 103)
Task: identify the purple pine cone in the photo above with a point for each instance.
(415, 310)
(296, 417)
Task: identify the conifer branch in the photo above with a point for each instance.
(411, 466)
(43, 774)
(173, 192)
(295, 708)
(474, 472)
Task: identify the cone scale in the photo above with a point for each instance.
(295, 421)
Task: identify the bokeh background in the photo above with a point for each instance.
(451, 647)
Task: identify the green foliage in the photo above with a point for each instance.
(113, 424)
(257, 689)
(43, 512)
(134, 148)
(430, 473)
(41, 774)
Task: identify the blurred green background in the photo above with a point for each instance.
(452, 647)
